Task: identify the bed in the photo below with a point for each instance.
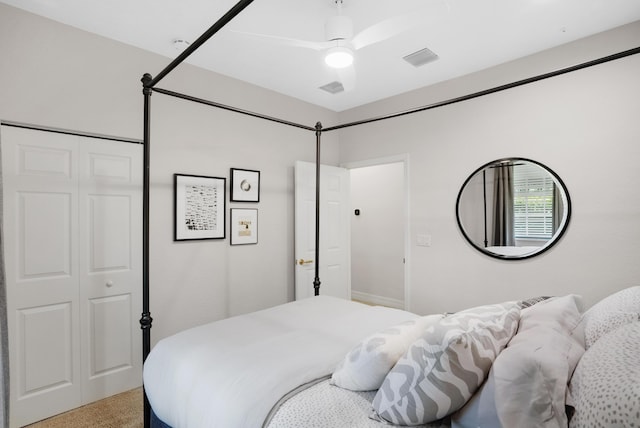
(232, 372)
(327, 362)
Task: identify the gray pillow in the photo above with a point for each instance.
(443, 369)
(526, 303)
(606, 384)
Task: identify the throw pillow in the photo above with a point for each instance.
(610, 313)
(606, 384)
(442, 369)
(365, 366)
(528, 382)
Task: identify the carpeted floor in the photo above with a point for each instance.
(123, 410)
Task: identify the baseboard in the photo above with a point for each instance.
(377, 300)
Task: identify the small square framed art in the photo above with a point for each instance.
(245, 185)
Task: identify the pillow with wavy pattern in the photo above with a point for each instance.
(365, 366)
(442, 369)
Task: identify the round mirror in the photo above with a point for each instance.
(513, 208)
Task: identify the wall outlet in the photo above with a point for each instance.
(423, 240)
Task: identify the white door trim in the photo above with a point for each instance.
(404, 158)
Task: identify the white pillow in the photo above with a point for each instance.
(562, 314)
(610, 313)
(606, 384)
(365, 366)
(443, 368)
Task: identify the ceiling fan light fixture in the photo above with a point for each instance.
(339, 57)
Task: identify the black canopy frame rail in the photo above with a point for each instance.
(149, 86)
(54, 130)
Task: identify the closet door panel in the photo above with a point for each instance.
(37, 261)
(110, 267)
(109, 233)
(40, 196)
(111, 335)
(45, 330)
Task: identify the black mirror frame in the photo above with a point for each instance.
(543, 249)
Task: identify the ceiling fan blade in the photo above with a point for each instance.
(318, 46)
(386, 29)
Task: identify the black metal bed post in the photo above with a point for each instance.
(146, 320)
(148, 82)
(316, 280)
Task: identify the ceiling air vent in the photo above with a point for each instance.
(333, 87)
(421, 57)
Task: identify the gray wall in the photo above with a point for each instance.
(55, 75)
(583, 125)
(377, 234)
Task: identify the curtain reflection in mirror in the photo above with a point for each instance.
(558, 208)
(503, 214)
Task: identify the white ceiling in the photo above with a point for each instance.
(467, 36)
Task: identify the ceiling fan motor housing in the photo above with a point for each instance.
(338, 27)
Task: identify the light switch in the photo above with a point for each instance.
(423, 240)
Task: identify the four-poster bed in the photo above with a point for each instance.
(503, 318)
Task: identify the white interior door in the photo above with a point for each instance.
(72, 239)
(334, 270)
(110, 265)
(40, 189)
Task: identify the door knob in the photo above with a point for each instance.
(302, 262)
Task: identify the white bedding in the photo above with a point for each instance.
(324, 405)
(230, 373)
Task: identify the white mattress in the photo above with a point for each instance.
(230, 373)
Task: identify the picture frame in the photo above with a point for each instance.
(245, 185)
(244, 226)
(199, 207)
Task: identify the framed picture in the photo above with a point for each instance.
(245, 185)
(244, 226)
(199, 207)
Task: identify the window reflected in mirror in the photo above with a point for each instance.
(513, 208)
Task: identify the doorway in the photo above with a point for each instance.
(379, 252)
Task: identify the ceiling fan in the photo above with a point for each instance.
(340, 43)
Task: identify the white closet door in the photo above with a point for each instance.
(40, 178)
(72, 223)
(110, 266)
